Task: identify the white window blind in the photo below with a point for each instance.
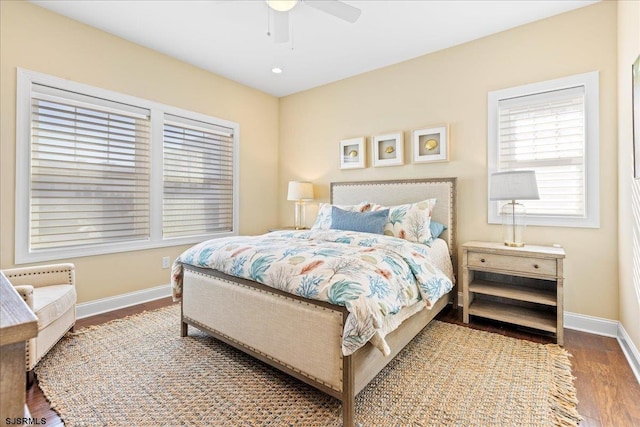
(89, 170)
(545, 132)
(198, 177)
(551, 127)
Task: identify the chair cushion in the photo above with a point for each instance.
(51, 302)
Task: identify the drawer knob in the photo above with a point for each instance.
(536, 266)
(481, 259)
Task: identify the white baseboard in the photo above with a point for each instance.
(591, 324)
(630, 351)
(104, 305)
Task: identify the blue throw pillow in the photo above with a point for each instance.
(365, 222)
(436, 229)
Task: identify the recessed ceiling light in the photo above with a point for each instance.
(276, 70)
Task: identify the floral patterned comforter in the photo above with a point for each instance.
(373, 276)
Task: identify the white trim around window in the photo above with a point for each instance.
(155, 112)
(586, 85)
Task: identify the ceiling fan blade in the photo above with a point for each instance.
(336, 8)
(281, 27)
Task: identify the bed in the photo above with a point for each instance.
(304, 337)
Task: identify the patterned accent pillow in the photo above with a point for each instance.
(410, 221)
(323, 220)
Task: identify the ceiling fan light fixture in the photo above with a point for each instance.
(282, 5)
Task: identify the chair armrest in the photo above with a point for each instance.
(42, 275)
(26, 292)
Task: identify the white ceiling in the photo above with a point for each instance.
(229, 37)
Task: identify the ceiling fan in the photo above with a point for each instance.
(281, 9)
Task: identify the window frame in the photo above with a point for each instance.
(590, 82)
(23, 254)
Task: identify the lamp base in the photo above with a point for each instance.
(514, 244)
(299, 218)
(513, 224)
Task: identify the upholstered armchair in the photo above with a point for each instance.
(49, 291)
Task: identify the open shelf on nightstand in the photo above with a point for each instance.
(517, 315)
(516, 292)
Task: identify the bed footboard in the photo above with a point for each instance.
(299, 337)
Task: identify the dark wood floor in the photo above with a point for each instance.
(608, 392)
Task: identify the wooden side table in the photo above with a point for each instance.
(522, 286)
(17, 325)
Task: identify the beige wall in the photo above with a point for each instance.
(629, 203)
(451, 87)
(39, 40)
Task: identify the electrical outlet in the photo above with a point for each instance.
(165, 262)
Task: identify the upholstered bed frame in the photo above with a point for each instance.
(303, 337)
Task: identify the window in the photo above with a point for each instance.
(551, 128)
(198, 178)
(99, 172)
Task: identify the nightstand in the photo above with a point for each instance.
(522, 286)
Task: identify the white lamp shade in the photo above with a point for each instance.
(514, 185)
(300, 190)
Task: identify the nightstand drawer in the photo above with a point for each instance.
(518, 264)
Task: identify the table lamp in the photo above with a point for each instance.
(300, 192)
(513, 185)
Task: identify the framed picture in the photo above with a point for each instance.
(353, 153)
(388, 150)
(635, 96)
(431, 145)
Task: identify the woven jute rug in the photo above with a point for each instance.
(138, 371)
